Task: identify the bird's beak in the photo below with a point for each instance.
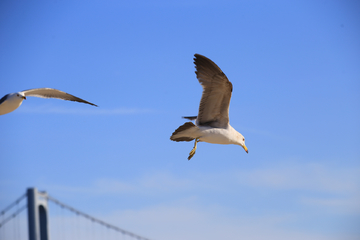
(245, 148)
(24, 97)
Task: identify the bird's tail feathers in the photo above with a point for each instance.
(184, 132)
(191, 118)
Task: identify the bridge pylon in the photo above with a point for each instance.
(38, 216)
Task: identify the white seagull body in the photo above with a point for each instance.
(212, 122)
(12, 101)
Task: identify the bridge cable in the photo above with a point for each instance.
(93, 219)
(13, 215)
(13, 204)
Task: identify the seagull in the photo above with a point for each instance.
(212, 122)
(12, 101)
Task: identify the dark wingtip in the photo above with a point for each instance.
(91, 104)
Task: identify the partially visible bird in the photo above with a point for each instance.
(212, 122)
(12, 101)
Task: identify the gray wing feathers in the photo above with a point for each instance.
(215, 100)
(53, 93)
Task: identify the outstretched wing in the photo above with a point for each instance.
(217, 89)
(53, 93)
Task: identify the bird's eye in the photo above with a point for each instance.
(244, 139)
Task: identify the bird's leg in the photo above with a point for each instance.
(192, 152)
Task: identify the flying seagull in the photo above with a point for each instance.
(12, 101)
(212, 122)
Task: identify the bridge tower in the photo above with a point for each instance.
(38, 216)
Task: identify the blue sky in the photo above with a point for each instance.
(295, 69)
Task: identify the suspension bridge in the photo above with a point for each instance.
(67, 222)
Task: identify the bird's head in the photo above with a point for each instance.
(20, 95)
(241, 142)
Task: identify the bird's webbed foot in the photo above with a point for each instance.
(192, 152)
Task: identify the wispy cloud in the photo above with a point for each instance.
(309, 179)
(155, 183)
(88, 110)
(316, 177)
(336, 204)
(188, 208)
(186, 221)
